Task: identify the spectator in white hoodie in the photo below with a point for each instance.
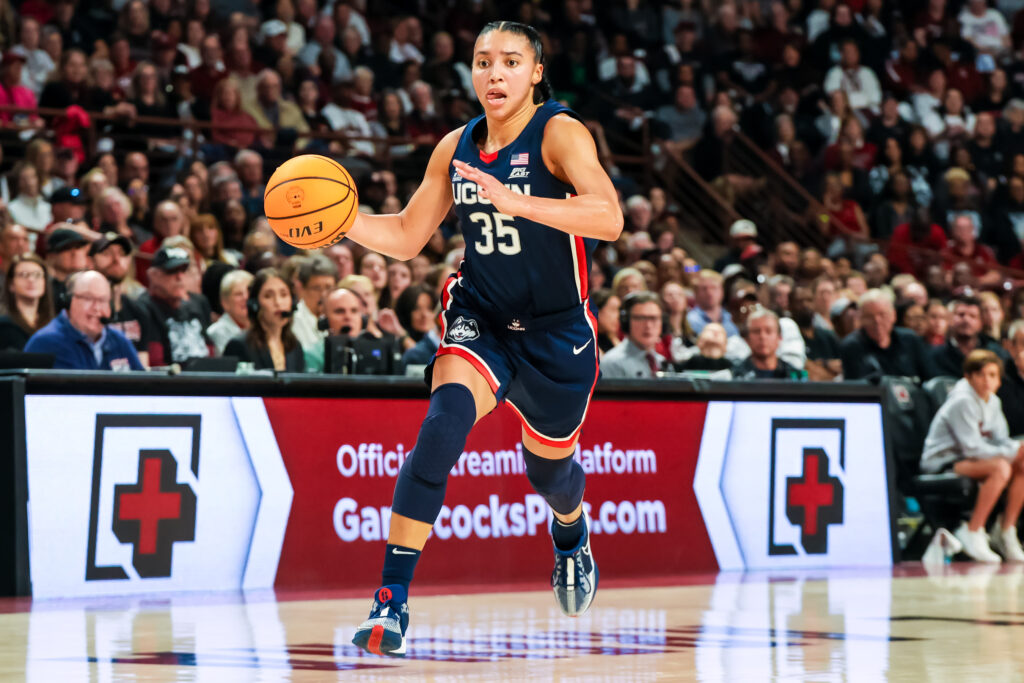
(969, 436)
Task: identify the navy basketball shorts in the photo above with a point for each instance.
(546, 376)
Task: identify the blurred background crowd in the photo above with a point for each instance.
(813, 189)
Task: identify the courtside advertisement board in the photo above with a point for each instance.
(148, 494)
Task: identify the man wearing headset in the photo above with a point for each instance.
(361, 353)
(79, 337)
(642, 321)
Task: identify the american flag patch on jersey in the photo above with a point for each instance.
(521, 159)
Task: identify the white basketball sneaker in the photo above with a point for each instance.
(1006, 542)
(976, 544)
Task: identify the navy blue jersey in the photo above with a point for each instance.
(516, 267)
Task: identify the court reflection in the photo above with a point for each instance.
(833, 626)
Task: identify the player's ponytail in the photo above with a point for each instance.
(543, 90)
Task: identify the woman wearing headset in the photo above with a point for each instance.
(269, 344)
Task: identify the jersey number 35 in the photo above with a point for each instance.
(507, 237)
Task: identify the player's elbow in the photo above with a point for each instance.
(615, 225)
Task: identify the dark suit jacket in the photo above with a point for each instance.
(948, 359)
(906, 356)
(239, 348)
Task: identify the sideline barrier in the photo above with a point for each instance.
(137, 484)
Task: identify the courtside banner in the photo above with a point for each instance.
(343, 456)
(144, 494)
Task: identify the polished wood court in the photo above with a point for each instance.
(961, 623)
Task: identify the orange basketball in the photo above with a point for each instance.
(311, 201)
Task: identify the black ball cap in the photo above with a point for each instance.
(108, 239)
(63, 239)
(170, 259)
(68, 194)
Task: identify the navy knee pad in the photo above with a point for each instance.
(419, 491)
(559, 482)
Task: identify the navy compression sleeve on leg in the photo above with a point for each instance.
(419, 491)
(560, 482)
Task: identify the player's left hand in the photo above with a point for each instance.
(490, 188)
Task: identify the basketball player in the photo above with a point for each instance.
(532, 201)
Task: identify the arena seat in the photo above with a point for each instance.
(908, 410)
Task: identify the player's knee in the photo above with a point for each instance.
(560, 482)
(443, 433)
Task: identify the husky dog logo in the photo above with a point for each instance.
(464, 329)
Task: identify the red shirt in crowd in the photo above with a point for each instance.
(233, 137)
(907, 256)
(846, 219)
(981, 258)
(863, 156)
(204, 79)
(17, 96)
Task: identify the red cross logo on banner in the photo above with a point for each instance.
(154, 513)
(814, 501)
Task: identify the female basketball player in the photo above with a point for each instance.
(532, 201)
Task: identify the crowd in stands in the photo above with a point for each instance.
(904, 118)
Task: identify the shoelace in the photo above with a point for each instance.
(579, 575)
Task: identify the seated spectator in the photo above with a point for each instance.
(627, 281)
(112, 257)
(969, 436)
(29, 208)
(709, 296)
(683, 120)
(78, 337)
(271, 111)
(269, 343)
(965, 335)
(636, 356)
(915, 245)
(992, 316)
(66, 253)
(763, 333)
(234, 298)
(911, 315)
(823, 295)
(964, 248)
(204, 233)
(27, 299)
(845, 317)
(820, 343)
(13, 93)
(353, 349)
(879, 348)
(1011, 392)
(858, 82)
(711, 346)
(233, 123)
(985, 28)
(608, 323)
(677, 337)
(415, 311)
(780, 289)
(742, 234)
(314, 279)
(938, 323)
(842, 218)
(744, 301)
(175, 318)
(13, 241)
(168, 221)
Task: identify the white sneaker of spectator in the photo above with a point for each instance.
(1006, 542)
(976, 544)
